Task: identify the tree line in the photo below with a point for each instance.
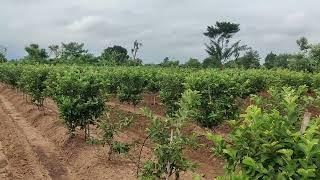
(223, 52)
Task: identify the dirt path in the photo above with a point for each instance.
(4, 172)
(37, 156)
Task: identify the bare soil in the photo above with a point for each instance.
(35, 144)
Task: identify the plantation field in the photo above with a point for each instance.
(37, 146)
(88, 122)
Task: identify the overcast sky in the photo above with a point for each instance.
(172, 28)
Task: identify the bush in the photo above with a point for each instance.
(79, 96)
(32, 81)
(267, 144)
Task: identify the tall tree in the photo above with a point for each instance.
(54, 50)
(136, 47)
(72, 50)
(303, 43)
(35, 53)
(220, 36)
(115, 55)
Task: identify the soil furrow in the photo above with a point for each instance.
(22, 160)
(50, 165)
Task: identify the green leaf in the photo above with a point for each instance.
(287, 152)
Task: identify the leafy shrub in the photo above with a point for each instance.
(267, 144)
(110, 129)
(169, 142)
(218, 93)
(32, 81)
(131, 86)
(171, 91)
(79, 97)
(10, 74)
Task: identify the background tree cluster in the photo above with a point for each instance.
(308, 59)
(75, 53)
(224, 50)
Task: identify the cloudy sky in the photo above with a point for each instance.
(172, 28)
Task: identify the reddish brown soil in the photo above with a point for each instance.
(152, 101)
(36, 145)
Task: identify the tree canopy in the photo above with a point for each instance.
(54, 50)
(114, 55)
(220, 46)
(251, 59)
(136, 47)
(303, 43)
(193, 63)
(35, 53)
(72, 50)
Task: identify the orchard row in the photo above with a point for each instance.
(81, 90)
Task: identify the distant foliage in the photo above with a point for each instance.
(116, 55)
(277, 61)
(212, 62)
(251, 59)
(169, 63)
(193, 63)
(71, 51)
(35, 54)
(3, 58)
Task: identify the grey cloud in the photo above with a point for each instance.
(166, 27)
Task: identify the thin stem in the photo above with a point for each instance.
(169, 163)
(140, 153)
